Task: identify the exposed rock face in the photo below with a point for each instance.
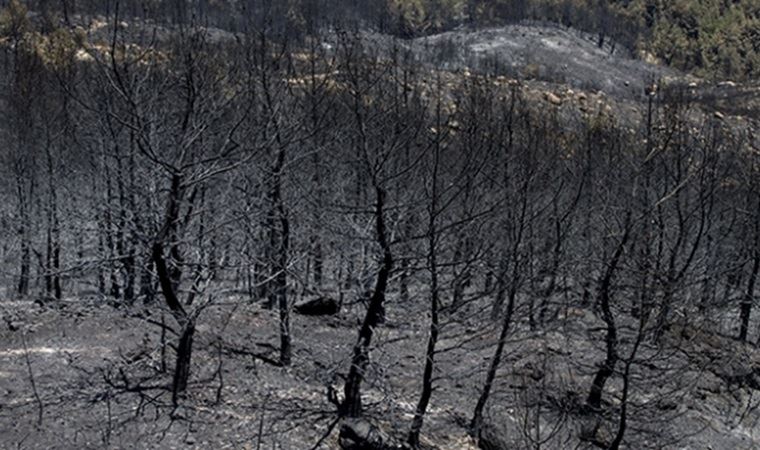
(319, 306)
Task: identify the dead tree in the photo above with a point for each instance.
(604, 294)
(433, 237)
(198, 130)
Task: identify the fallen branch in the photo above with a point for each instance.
(244, 352)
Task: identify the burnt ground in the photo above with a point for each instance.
(98, 373)
(541, 52)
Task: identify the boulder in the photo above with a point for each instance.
(319, 306)
(493, 438)
(359, 434)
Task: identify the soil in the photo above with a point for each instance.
(99, 376)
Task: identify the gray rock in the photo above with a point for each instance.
(358, 434)
(319, 306)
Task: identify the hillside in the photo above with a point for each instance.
(405, 230)
(714, 39)
(534, 52)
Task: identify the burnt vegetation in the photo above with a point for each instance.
(252, 224)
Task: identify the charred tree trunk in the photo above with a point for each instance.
(749, 298)
(413, 439)
(501, 291)
(427, 376)
(282, 285)
(623, 421)
(53, 277)
(26, 263)
(108, 230)
(272, 257)
(47, 264)
(318, 264)
(458, 276)
(127, 252)
(147, 290)
(476, 424)
(352, 403)
(404, 282)
(25, 237)
(101, 276)
(607, 368)
(279, 242)
(182, 364)
(169, 279)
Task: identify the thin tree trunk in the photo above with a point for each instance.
(53, 258)
(101, 276)
(594, 400)
(182, 364)
(623, 421)
(749, 296)
(26, 262)
(126, 248)
(553, 270)
(169, 280)
(57, 288)
(352, 404)
(279, 243)
(501, 291)
(748, 299)
(458, 281)
(413, 439)
(282, 288)
(24, 234)
(147, 291)
(427, 377)
(476, 424)
(404, 282)
(318, 266)
(109, 238)
(49, 263)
